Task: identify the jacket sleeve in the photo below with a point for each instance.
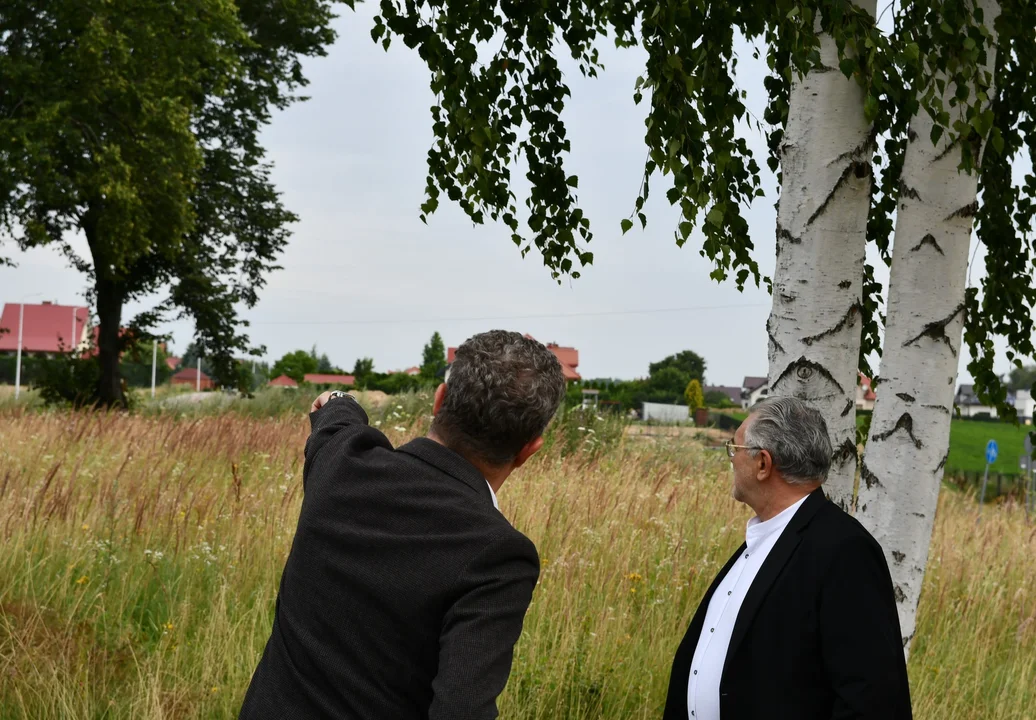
(860, 637)
(338, 415)
(480, 629)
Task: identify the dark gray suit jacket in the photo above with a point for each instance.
(405, 589)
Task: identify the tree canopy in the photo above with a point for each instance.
(137, 124)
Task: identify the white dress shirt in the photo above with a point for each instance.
(711, 652)
(493, 495)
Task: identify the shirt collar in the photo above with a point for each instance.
(759, 530)
(493, 495)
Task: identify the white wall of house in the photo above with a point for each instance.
(760, 393)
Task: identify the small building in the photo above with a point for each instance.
(192, 377)
(865, 395)
(661, 412)
(753, 390)
(173, 362)
(329, 379)
(47, 328)
(970, 406)
(283, 381)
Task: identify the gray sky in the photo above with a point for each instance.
(364, 277)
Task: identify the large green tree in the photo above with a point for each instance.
(433, 357)
(135, 124)
(295, 365)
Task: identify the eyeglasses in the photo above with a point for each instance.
(732, 448)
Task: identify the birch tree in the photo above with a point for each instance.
(815, 324)
(945, 152)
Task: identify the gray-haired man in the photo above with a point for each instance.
(801, 623)
(406, 589)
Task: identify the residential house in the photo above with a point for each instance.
(567, 356)
(48, 328)
(865, 395)
(283, 381)
(192, 377)
(970, 405)
(753, 389)
(173, 362)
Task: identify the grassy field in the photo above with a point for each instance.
(142, 554)
(968, 440)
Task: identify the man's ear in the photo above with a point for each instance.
(528, 450)
(764, 465)
(440, 397)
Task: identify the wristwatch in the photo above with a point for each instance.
(338, 394)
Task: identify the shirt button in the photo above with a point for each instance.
(712, 629)
(746, 556)
(730, 592)
(692, 713)
(695, 672)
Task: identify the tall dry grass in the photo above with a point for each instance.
(141, 557)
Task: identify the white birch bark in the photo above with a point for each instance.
(814, 326)
(910, 429)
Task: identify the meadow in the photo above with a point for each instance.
(142, 551)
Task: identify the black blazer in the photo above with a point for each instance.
(818, 635)
(405, 589)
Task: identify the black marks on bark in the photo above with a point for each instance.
(940, 408)
(900, 595)
(905, 397)
(785, 234)
(907, 639)
(864, 149)
(947, 150)
(906, 424)
(848, 320)
(857, 168)
(773, 340)
(848, 407)
(868, 477)
(898, 556)
(942, 463)
(928, 239)
(937, 330)
(845, 284)
(907, 191)
(968, 211)
(911, 135)
(844, 454)
(917, 514)
(804, 370)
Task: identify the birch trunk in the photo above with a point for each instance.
(910, 429)
(814, 326)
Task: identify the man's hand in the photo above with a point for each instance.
(320, 401)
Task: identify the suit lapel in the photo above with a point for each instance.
(771, 569)
(676, 702)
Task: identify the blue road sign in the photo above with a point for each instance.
(992, 450)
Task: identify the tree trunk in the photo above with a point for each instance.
(109, 313)
(910, 430)
(814, 326)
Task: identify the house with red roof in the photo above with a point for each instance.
(47, 328)
(283, 381)
(189, 377)
(567, 356)
(865, 395)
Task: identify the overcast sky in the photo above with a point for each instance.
(364, 277)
